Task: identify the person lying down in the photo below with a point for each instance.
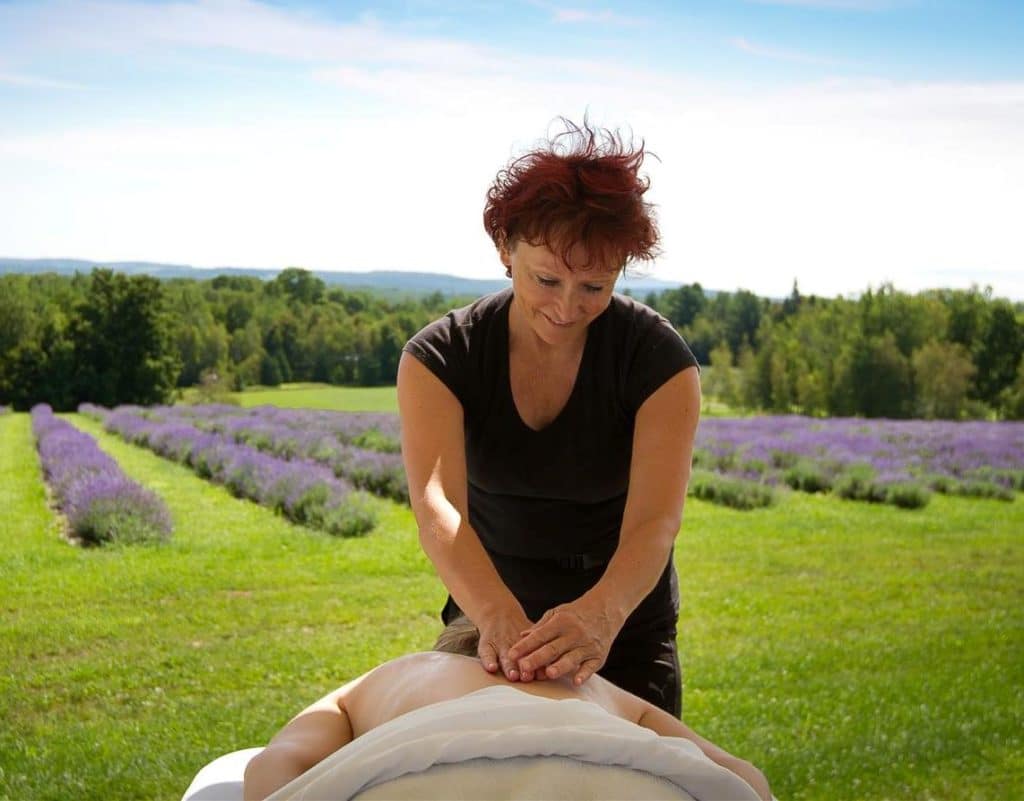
(452, 672)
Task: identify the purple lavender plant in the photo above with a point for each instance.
(328, 438)
(895, 461)
(100, 503)
(303, 490)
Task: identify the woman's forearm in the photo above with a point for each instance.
(635, 567)
(457, 554)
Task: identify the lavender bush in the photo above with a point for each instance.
(302, 490)
(738, 493)
(887, 461)
(100, 503)
(327, 438)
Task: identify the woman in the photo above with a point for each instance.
(547, 432)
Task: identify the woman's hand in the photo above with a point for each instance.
(498, 633)
(572, 638)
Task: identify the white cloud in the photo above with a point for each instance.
(604, 17)
(37, 82)
(780, 54)
(235, 25)
(838, 184)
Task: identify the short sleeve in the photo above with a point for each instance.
(442, 348)
(659, 354)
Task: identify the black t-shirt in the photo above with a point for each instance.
(548, 504)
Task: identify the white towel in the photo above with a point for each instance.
(501, 723)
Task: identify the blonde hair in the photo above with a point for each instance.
(461, 636)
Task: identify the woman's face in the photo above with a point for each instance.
(556, 302)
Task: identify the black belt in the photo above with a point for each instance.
(581, 561)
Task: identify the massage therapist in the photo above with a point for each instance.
(547, 431)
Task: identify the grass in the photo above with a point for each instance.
(376, 399)
(852, 651)
(322, 396)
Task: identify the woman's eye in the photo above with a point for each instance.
(547, 281)
(594, 289)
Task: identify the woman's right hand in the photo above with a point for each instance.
(498, 633)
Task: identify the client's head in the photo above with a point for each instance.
(459, 637)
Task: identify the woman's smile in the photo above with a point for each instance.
(557, 323)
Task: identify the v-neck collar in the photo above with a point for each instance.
(507, 350)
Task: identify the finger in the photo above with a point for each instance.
(540, 635)
(586, 670)
(534, 626)
(509, 667)
(529, 644)
(568, 662)
(488, 656)
(546, 654)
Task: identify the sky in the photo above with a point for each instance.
(840, 144)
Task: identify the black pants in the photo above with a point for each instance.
(645, 663)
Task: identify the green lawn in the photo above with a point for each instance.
(853, 651)
(322, 396)
(371, 399)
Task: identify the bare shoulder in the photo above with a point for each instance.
(410, 682)
(419, 679)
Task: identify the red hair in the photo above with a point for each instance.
(582, 187)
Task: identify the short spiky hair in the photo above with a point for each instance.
(581, 187)
(459, 637)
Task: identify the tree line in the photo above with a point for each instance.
(109, 338)
(944, 353)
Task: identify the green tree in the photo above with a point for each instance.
(998, 352)
(1012, 398)
(124, 349)
(722, 381)
(873, 378)
(298, 286)
(682, 305)
(202, 342)
(942, 375)
(911, 320)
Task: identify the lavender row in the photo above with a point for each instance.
(377, 431)
(868, 460)
(303, 491)
(321, 437)
(100, 502)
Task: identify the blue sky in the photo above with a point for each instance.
(839, 143)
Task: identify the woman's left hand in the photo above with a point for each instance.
(572, 638)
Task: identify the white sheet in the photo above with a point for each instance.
(500, 723)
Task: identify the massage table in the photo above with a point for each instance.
(497, 743)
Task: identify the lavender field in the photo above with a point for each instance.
(100, 503)
(740, 462)
(893, 461)
(315, 493)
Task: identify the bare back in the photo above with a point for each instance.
(420, 679)
(410, 682)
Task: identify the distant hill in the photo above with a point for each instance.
(384, 280)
